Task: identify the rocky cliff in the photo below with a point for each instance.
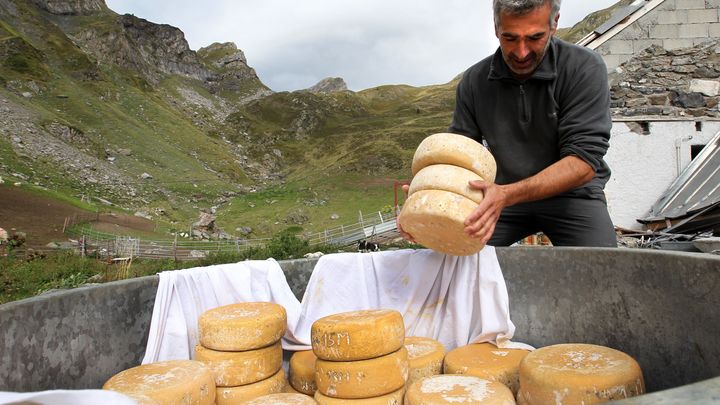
(71, 7)
(329, 85)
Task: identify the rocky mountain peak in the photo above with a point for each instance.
(225, 55)
(71, 7)
(329, 85)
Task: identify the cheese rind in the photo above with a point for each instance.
(167, 382)
(240, 368)
(235, 395)
(454, 389)
(436, 219)
(393, 398)
(456, 150)
(357, 335)
(425, 357)
(302, 372)
(243, 326)
(487, 361)
(578, 373)
(282, 399)
(362, 378)
(448, 178)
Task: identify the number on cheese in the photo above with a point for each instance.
(243, 326)
(241, 368)
(302, 372)
(167, 382)
(578, 373)
(357, 335)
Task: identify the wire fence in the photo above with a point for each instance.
(379, 227)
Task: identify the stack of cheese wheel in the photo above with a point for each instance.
(578, 374)
(360, 357)
(167, 382)
(282, 399)
(487, 361)
(302, 372)
(425, 357)
(240, 343)
(457, 389)
(440, 198)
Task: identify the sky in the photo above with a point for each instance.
(293, 44)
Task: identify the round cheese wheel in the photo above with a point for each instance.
(436, 219)
(454, 389)
(167, 382)
(362, 378)
(239, 368)
(282, 399)
(425, 357)
(578, 373)
(302, 372)
(236, 395)
(456, 150)
(243, 326)
(393, 398)
(357, 335)
(448, 178)
(487, 361)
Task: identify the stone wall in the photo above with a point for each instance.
(671, 25)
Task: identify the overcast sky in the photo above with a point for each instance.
(293, 44)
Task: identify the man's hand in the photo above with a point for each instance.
(481, 222)
(404, 234)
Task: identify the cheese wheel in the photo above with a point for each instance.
(302, 372)
(454, 389)
(425, 357)
(282, 399)
(239, 394)
(243, 326)
(456, 150)
(240, 368)
(357, 335)
(167, 382)
(362, 378)
(487, 361)
(578, 373)
(448, 178)
(436, 219)
(393, 398)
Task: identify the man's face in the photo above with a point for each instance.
(524, 39)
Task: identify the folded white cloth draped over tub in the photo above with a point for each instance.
(454, 299)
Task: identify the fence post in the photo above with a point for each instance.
(381, 218)
(175, 248)
(82, 246)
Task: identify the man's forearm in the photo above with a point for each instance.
(565, 174)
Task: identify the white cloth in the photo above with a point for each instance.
(183, 295)
(454, 299)
(66, 397)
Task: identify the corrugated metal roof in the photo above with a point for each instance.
(696, 188)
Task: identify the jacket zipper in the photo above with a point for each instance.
(523, 105)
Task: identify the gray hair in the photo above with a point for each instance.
(521, 7)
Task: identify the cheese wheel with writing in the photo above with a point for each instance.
(578, 373)
(456, 150)
(487, 361)
(357, 335)
(243, 326)
(436, 219)
(239, 368)
(454, 389)
(282, 399)
(167, 382)
(448, 178)
(302, 372)
(236, 395)
(362, 378)
(425, 357)
(393, 398)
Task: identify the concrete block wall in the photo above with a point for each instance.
(673, 24)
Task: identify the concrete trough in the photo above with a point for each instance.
(663, 308)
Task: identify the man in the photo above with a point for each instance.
(541, 106)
